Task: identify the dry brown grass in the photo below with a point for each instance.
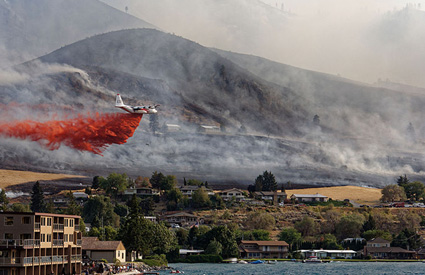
(362, 195)
(12, 177)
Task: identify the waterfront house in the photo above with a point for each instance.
(97, 250)
(328, 253)
(263, 249)
(379, 248)
(187, 252)
(39, 243)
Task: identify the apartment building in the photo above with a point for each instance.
(39, 244)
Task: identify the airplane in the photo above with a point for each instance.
(135, 109)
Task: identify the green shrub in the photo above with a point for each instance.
(156, 260)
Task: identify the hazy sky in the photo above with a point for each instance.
(363, 40)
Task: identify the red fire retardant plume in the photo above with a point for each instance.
(91, 133)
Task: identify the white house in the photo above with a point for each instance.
(228, 194)
(328, 253)
(309, 197)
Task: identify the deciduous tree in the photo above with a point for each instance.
(291, 236)
(307, 226)
(392, 193)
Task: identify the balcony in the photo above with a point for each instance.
(77, 227)
(31, 243)
(37, 226)
(76, 258)
(28, 243)
(58, 227)
(79, 242)
(46, 260)
(57, 242)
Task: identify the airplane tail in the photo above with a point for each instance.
(118, 101)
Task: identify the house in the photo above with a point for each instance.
(188, 190)
(187, 252)
(273, 197)
(151, 218)
(263, 249)
(40, 243)
(181, 218)
(309, 198)
(379, 248)
(208, 129)
(168, 128)
(328, 253)
(80, 196)
(228, 194)
(97, 250)
(141, 192)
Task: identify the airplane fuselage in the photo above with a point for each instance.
(135, 109)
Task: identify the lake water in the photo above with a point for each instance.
(302, 268)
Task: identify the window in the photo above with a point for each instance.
(25, 236)
(43, 221)
(49, 221)
(26, 220)
(66, 238)
(71, 237)
(8, 236)
(72, 222)
(66, 222)
(49, 238)
(43, 238)
(8, 220)
(118, 253)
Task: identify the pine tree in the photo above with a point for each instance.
(4, 201)
(37, 199)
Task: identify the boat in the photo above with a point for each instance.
(312, 260)
(242, 262)
(271, 262)
(257, 262)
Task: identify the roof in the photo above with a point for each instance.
(270, 193)
(308, 195)
(270, 243)
(378, 240)
(231, 190)
(40, 214)
(93, 243)
(388, 250)
(210, 127)
(185, 251)
(181, 214)
(328, 251)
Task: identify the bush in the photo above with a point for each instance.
(156, 260)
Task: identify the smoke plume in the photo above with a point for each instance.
(84, 133)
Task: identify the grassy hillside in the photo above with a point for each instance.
(12, 177)
(361, 195)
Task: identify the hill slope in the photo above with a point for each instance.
(354, 143)
(34, 28)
